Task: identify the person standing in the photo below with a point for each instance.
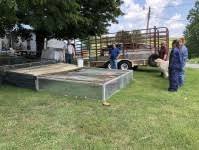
(163, 51)
(114, 54)
(175, 66)
(184, 53)
(69, 52)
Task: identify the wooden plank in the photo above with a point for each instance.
(45, 69)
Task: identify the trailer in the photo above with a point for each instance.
(138, 47)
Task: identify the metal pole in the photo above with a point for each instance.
(150, 37)
(158, 40)
(96, 47)
(81, 48)
(154, 38)
(100, 42)
(75, 47)
(167, 38)
(89, 51)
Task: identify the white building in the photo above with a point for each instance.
(29, 45)
(17, 43)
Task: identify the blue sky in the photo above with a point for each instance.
(168, 13)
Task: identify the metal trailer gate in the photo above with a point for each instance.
(136, 46)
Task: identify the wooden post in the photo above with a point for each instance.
(148, 18)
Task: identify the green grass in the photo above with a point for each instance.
(194, 61)
(142, 116)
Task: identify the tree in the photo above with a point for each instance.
(7, 16)
(192, 31)
(123, 37)
(134, 36)
(60, 18)
(67, 18)
(137, 37)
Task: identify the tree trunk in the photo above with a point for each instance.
(40, 43)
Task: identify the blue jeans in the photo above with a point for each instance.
(113, 63)
(181, 78)
(173, 79)
(69, 58)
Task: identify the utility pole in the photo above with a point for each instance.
(148, 18)
(147, 26)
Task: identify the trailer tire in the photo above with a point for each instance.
(124, 65)
(152, 59)
(107, 65)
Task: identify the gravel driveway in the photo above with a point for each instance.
(195, 66)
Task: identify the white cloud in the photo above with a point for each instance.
(116, 27)
(134, 11)
(175, 25)
(176, 2)
(136, 16)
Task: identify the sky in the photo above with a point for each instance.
(164, 13)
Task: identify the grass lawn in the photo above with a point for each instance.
(194, 61)
(142, 116)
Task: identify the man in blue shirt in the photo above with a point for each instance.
(184, 53)
(114, 54)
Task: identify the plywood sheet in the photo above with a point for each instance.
(87, 75)
(45, 69)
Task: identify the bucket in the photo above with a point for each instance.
(80, 62)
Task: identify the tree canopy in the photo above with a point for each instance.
(8, 17)
(192, 31)
(60, 18)
(134, 36)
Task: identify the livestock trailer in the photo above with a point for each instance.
(138, 47)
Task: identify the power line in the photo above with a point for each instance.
(169, 19)
(185, 4)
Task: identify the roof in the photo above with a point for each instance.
(24, 26)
